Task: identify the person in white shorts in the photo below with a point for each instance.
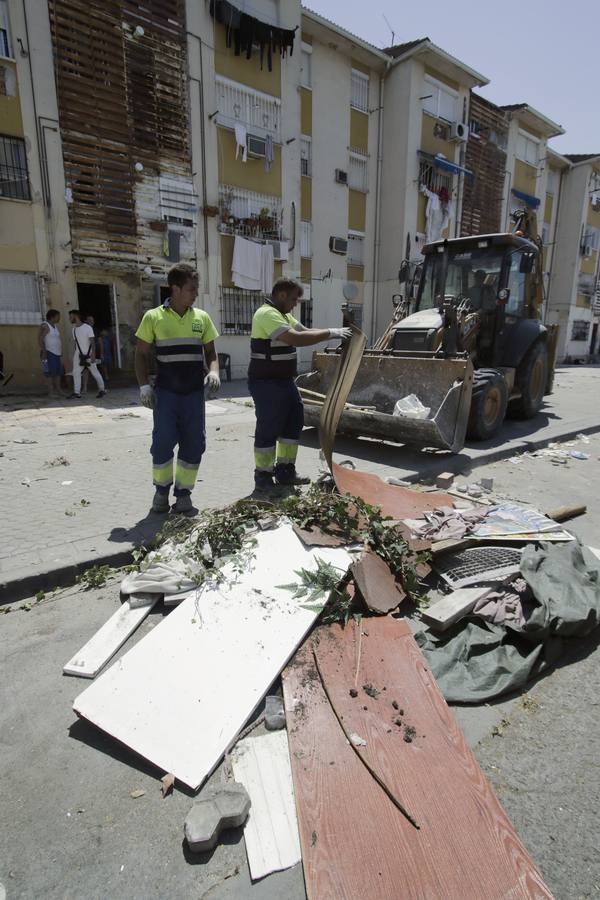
(84, 354)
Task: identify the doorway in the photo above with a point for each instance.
(594, 338)
(95, 300)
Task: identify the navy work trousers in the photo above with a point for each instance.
(178, 420)
(279, 410)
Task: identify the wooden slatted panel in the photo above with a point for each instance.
(483, 194)
(122, 100)
(355, 842)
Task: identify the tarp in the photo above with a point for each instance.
(476, 661)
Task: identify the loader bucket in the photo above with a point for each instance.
(443, 385)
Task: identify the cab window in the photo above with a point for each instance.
(516, 285)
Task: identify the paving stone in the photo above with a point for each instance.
(216, 809)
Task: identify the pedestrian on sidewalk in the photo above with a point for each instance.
(51, 351)
(84, 355)
(184, 338)
(271, 381)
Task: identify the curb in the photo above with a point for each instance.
(65, 576)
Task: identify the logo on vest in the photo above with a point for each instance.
(197, 326)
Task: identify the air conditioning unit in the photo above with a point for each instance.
(459, 131)
(595, 201)
(341, 177)
(338, 245)
(257, 146)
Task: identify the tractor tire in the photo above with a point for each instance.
(488, 404)
(531, 379)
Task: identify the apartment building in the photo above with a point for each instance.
(574, 292)
(425, 128)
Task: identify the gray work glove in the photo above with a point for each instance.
(213, 383)
(344, 334)
(147, 396)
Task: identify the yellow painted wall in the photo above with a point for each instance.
(421, 218)
(357, 210)
(307, 38)
(355, 273)
(524, 178)
(443, 78)
(306, 111)
(246, 71)
(17, 242)
(582, 301)
(432, 144)
(306, 270)
(548, 207)
(359, 130)
(22, 355)
(588, 264)
(11, 122)
(360, 67)
(278, 270)
(593, 216)
(251, 174)
(306, 199)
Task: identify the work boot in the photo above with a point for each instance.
(160, 504)
(264, 484)
(183, 506)
(285, 474)
(100, 394)
(74, 396)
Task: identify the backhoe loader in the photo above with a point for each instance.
(466, 339)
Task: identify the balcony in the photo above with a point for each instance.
(237, 104)
(249, 214)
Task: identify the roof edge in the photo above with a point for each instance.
(347, 35)
(426, 45)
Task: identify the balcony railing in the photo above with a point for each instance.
(259, 112)
(249, 214)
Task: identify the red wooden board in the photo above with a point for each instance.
(355, 843)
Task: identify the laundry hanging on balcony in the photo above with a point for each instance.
(252, 267)
(438, 211)
(241, 141)
(243, 31)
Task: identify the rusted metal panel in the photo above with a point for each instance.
(121, 73)
(486, 158)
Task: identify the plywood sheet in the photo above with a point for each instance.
(88, 661)
(179, 697)
(394, 500)
(355, 842)
(376, 583)
(262, 765)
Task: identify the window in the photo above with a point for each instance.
(528, 149)
(433, 179)
(306, 65)
(516, 285)
(580, 330)
(306, 240)
(590, 239)
(356, 249)
(305, 156)
(552, 181)
(546, 234)
(359, 90)
(475, 128)
(358, 172)
(354, 313)
(177, 200)
(14, 180)
(439, 100)
(5, 48)
(20, 300)
(306, 313)
(237, 309)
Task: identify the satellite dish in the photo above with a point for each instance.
(350, 291)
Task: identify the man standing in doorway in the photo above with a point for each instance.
(184, 338)
(273, 368)
(84, 355)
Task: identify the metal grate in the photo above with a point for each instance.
(306, 313)
(237, 309)
(432, 179)
(259, 112)
(359, 90)
(249, 214)
(358, 171)
(14, 180)
(354, 313)
(477, 565)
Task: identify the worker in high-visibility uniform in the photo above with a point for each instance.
(277, 401)
(184, 338)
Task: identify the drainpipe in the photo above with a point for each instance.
(200, 83)
(554, 246)
(377, 242)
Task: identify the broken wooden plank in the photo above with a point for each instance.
(88, 661)
(262, 765)
(397, 502)
(564, 513)
(181, 695)
(454, 606)
(466, 847)
(376, 583)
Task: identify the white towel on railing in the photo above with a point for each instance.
(246, 267)
(241, 141)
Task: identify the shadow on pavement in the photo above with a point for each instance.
(144, 531)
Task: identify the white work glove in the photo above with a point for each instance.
(344, 334)
(147, 396)
(213, 383)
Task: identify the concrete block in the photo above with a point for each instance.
(274, 712)
(444, 480)
(487, 484)
(217, 808)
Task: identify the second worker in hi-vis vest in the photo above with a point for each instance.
(277, 401)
